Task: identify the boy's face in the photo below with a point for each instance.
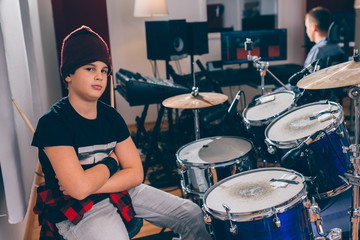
(89, 81)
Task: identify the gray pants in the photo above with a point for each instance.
(162, 209)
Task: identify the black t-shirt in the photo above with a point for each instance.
(92, 139)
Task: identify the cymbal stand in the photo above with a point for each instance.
(354, 179)
(262, 66)
(194, 93)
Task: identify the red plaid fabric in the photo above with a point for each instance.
(74, 209)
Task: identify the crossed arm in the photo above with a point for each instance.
(79, 184)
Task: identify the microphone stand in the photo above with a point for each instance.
(262, 66)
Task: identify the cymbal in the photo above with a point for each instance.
(340, 75)
(188, 101)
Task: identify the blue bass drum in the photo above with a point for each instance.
(259, 204)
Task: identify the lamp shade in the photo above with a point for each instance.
(150, 8)
(357, 4)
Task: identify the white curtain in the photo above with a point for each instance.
(20, 77)
(11, 173)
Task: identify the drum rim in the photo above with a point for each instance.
(289, 144)
(210, 165)
(331, 193)
(268, 120)
(261, 213)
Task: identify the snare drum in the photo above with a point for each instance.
(324, 160)
(203, 162)
(257, 205)
(258, 114)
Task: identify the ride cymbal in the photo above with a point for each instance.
(340, 75)
(188, 101)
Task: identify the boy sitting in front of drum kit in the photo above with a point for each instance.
(92, 169)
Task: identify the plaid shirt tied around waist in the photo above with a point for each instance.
(74, 209)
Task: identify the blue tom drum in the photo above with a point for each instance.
(324, 160)
(262, 110)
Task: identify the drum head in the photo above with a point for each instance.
(303, 121)
(280, 102)
(212, 150)
(252, 191)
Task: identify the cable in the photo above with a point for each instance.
(331, 202)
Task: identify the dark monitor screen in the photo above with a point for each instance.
(269, 45)
(259, 22)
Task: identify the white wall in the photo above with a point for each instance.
(357, 28)
(232, 12)
(291, 16)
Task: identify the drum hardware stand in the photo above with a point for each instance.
(262, 66)
(354, 179)
(194, 93)
(140, 121)
(152, 146)
(276, 220)
(208, 221)
(314, 216)
(334, 234)
(233, 228)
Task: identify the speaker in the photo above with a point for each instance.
(166, 40)
(198, 38)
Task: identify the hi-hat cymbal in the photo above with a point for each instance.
(188, 101)
(340, 75)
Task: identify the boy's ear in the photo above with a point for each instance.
(68, 79)
(315, 27)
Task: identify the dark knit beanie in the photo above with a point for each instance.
(82, 47)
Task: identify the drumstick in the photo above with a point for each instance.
(37, 181)
(111, 92)
(214, 173)
(22, 114)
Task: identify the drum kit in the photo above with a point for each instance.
(313, 157)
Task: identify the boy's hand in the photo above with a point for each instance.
(61, 187)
